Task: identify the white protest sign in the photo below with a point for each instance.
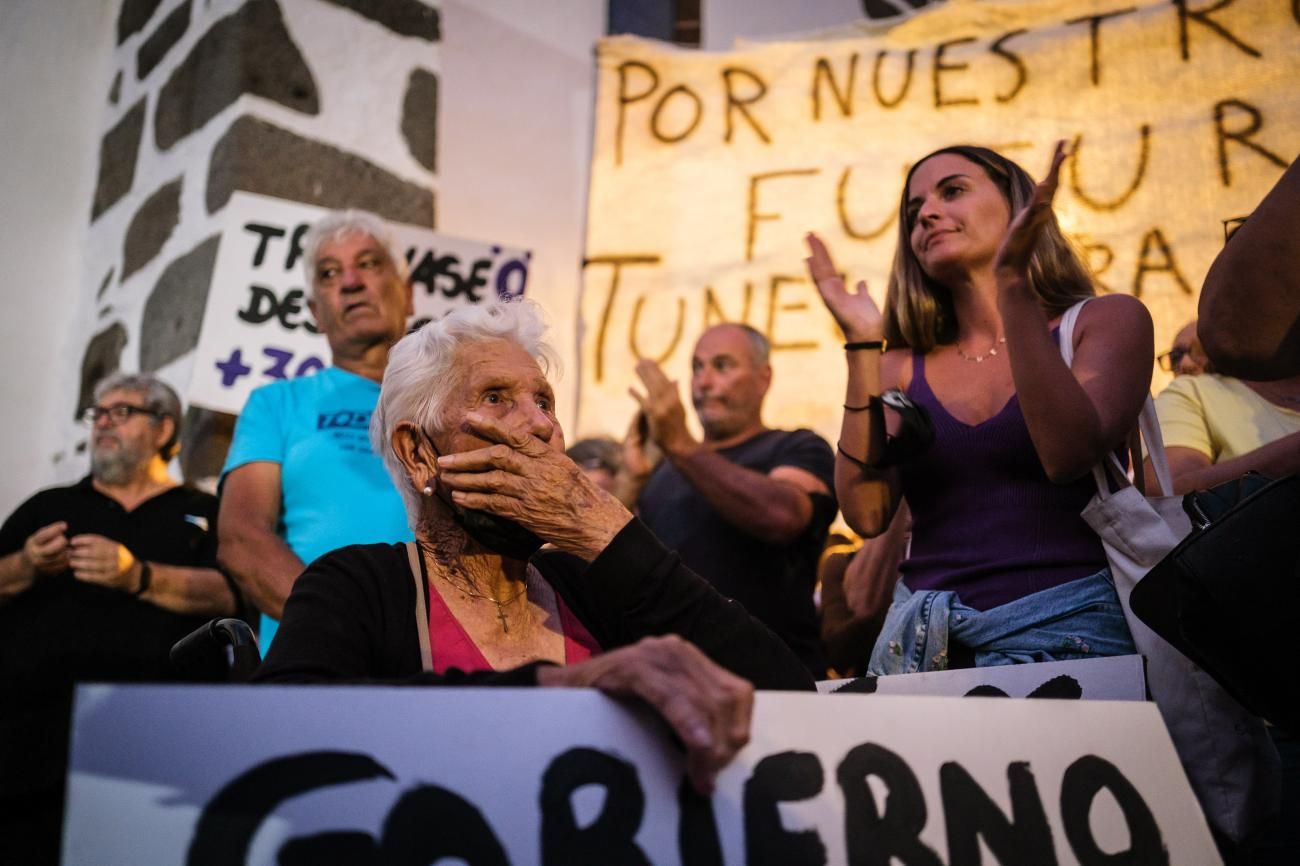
(1118, 678)
(709, 168)
(256, 326)
(197, 775)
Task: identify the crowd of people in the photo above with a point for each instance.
(410, 513)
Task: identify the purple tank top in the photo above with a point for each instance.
(986, 521)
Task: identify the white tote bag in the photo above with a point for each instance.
(1229, 758)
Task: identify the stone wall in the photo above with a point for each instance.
(330, 102)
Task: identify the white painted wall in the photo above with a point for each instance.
(54, 81)
(722, 22)
(514, 143)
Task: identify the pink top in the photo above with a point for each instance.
(452, 647)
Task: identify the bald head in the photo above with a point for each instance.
(730, 376)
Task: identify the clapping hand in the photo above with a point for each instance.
(855, 312)
(663, 410)
(1012, 262)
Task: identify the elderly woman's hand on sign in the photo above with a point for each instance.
(708, 708)
(526, 480)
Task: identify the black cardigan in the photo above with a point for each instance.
(351, 617)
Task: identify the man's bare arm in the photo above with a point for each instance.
(776, 507)
(1192, 470)
(189, 590)
(16, 575)
(248, 546)
(184, 589)
(1249, 317)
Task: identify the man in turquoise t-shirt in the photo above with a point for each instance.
(301, 478)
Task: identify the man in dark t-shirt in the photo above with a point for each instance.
(97, 581)
(748, 508)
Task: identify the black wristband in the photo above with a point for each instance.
(866, 344)
(872, 403)
(146, 578)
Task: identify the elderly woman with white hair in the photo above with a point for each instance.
(466, 425)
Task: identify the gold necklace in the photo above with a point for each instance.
(501, 604)
(979, 359)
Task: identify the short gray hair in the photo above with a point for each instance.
(158, 397)
(759, 345)
(760, 349)
(341, 223)
(422, 373)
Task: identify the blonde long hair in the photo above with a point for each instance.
(919, 311)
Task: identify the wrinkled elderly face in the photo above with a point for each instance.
(118, 449)
(727, 382)
(956, 215)
(358, 297)
(497, 378)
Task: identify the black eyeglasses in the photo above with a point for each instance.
(117, 413)
(1169, 360)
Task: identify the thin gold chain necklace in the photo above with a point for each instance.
(501, 604)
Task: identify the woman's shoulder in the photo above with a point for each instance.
(1115, 309)
(1117, 325)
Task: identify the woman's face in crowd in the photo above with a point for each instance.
(957, 216)
(499, 379)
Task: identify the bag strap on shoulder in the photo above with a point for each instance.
(421, 609)
(1148, 424)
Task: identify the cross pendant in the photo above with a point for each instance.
(501, 615)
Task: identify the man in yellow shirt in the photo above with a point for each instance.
(1216, 428)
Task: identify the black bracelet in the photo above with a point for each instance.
(146, 578)
(861, 464)
(872, 403)
(866, 344)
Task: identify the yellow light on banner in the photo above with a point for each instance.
(708, 168)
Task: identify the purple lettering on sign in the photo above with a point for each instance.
(233, 369)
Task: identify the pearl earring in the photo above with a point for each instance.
(428, 491)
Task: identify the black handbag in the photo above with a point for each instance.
(1227, 596)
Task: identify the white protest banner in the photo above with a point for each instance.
(197, 775)
(1118, 678)
(709, 168)
(256, 326)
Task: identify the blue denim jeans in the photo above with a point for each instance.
(1076, 620)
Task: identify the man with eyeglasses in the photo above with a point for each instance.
(1216, 428)
(301, 478)
(97, 581)
(1186, 357)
